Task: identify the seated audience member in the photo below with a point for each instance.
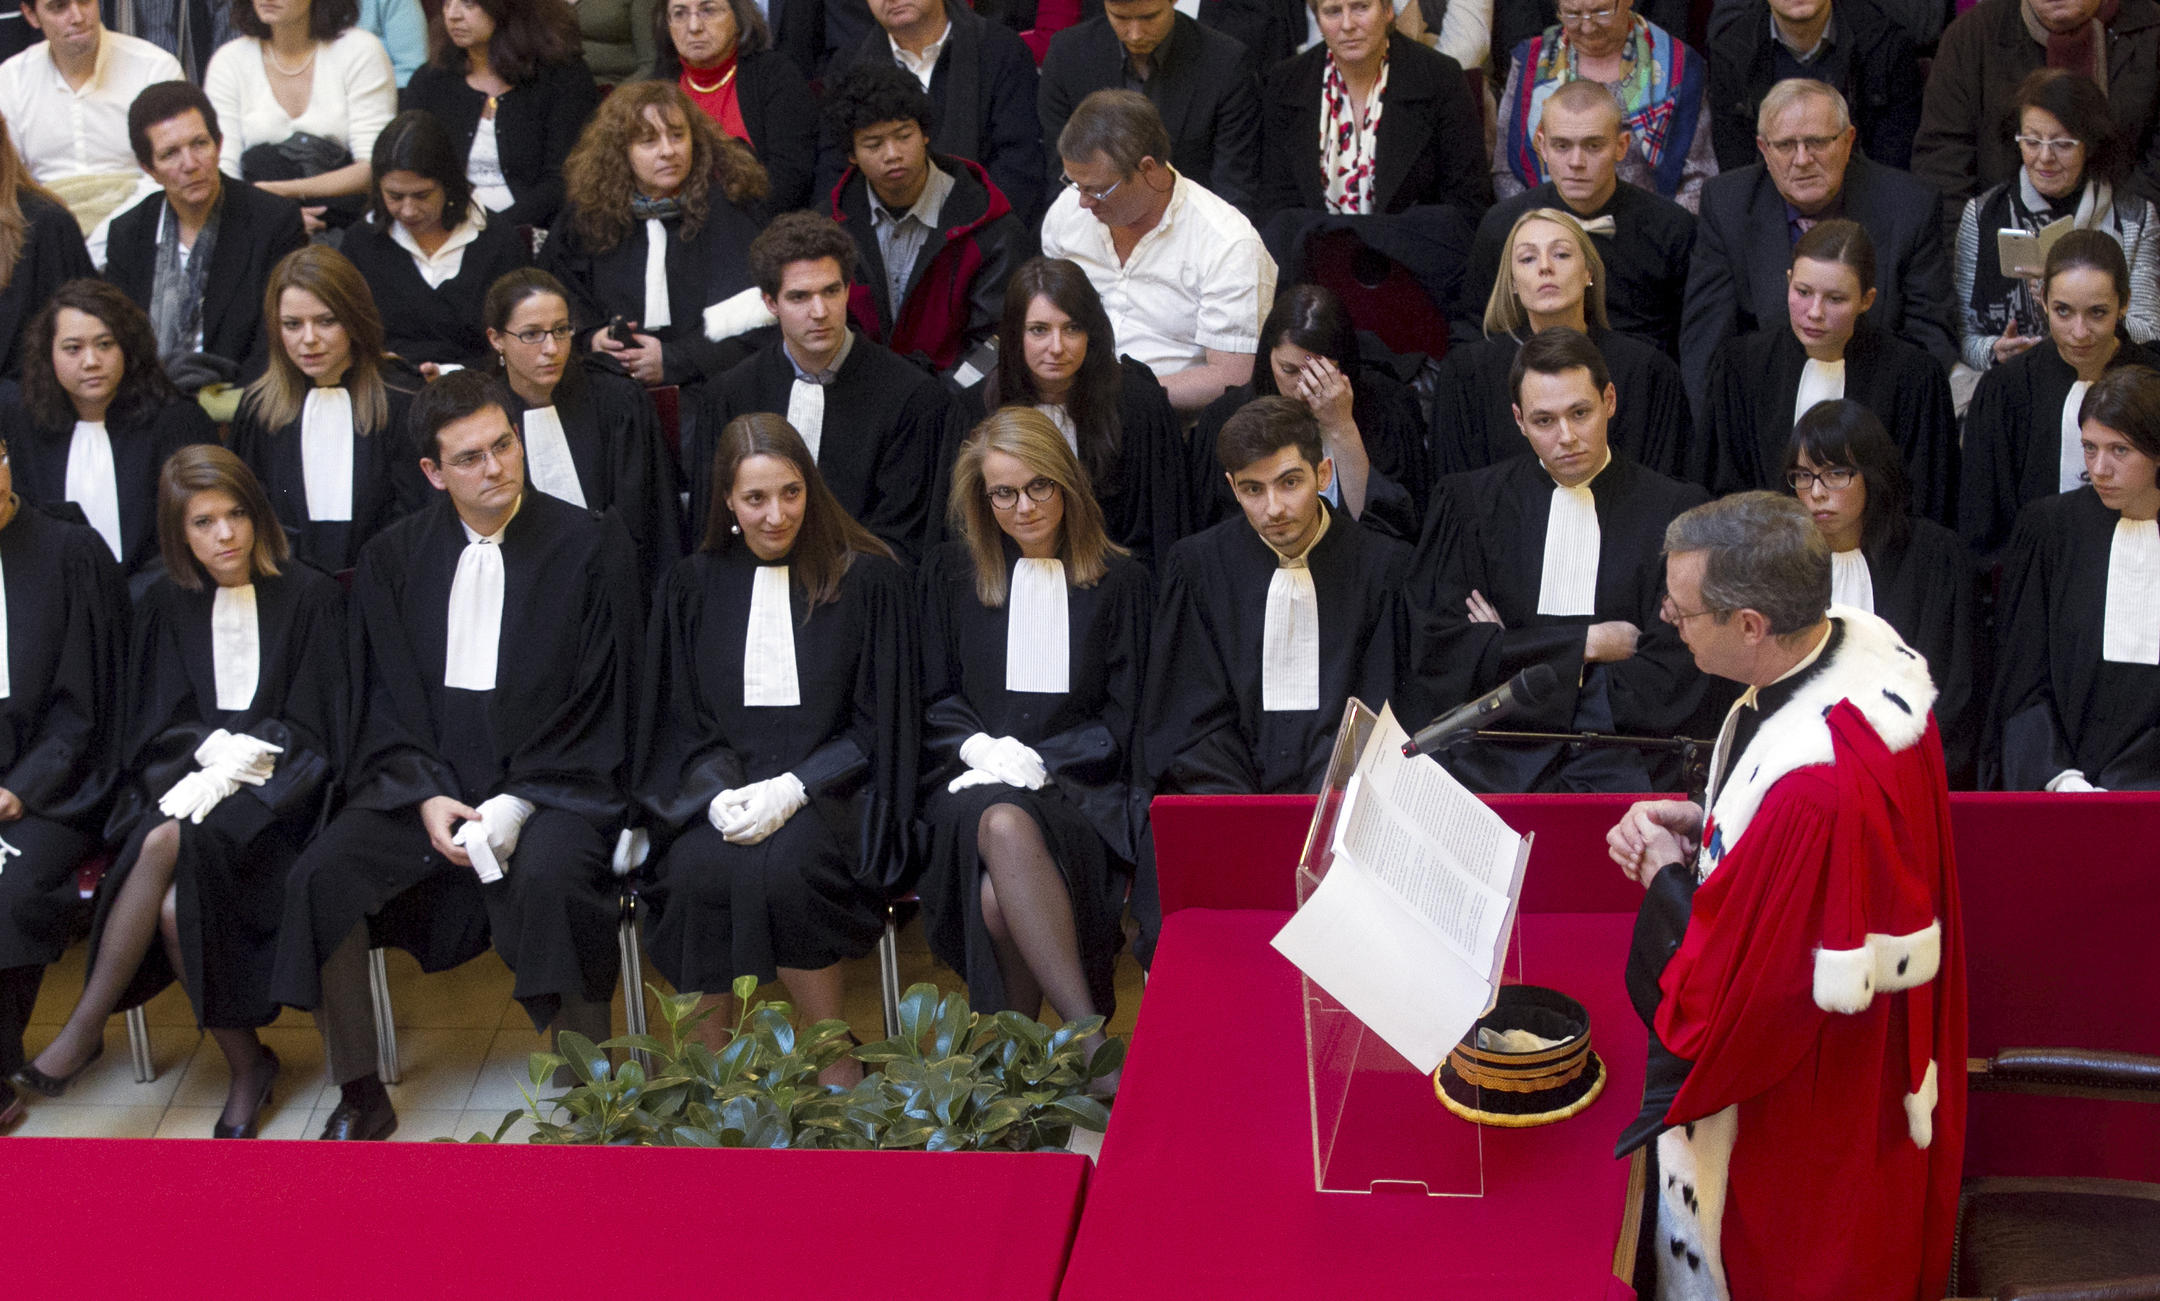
(1200, 80)
(495, 644)
(311, 54)
(66, 624)
(1853, 46)
(97, 417)
(981, 80)
(1370, 424)
(721, 53)
(934, 237)
(1991, 48)
(1182, 274)
(1658, 80)
(618, 38)
(1557, 559)
(1842, 465)
(401, 26)
(427, 248)
(196, 255)
(783, 682)
(1370, 122)
(1644, 240)
(651, 172)
(874, 424)
(591, 435)
(1034, 642)
(324, 427)
(2077, 690)
(41, 248)
(1752, 217)
(1515, 21)
(1761, 384)
(66, 100)
(226, 756)
(2022, 439)
(1554, 277)
(2071, 165)
(508, 81)
(1058, 354)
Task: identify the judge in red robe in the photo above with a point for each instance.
(1811, 1018)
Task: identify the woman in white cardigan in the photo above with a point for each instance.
(301, 68)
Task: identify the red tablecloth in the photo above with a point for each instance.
(170, 1219)
(1205, 1184)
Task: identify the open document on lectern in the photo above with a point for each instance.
(1409, 926)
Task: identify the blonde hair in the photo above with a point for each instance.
(14, 223)
(1027, 436)
(1504, 313)
(282, 391)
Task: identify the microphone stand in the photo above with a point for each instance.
(1693, 751)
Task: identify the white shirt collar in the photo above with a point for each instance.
(923, 65)
(927, 205)
(445, 262)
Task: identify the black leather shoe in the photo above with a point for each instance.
(365, 1121)
(11, 1109)
(250, 1127)
(28, 1076)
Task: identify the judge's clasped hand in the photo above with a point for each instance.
(1652, 834)
(1001, 758)
(748, 814)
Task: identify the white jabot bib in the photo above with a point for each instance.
(2071, 474)
(476, 610)
(1290, 641)
(326, 453)
(1063, 420)
(7, 685)
(2130, 631)
(235, 646)
(769, 645)
(657, 315)
(806, 411)
(93, 483)
(1820, 381)
(1567, 584)
(1851, 583)
(1038, 649)
(547, 456)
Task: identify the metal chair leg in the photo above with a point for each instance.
(888, 957)
(138, 1032)
(386, 1050)
(633, 973)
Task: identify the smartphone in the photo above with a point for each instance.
(2021, 254)
(619, 330)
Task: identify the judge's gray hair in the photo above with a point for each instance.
(1791, 91)
(1762, 552)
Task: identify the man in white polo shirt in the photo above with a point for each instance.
(1182, 274)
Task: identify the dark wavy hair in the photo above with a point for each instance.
(160, 103)
(1093, 402)
(599, 183)
(206, 467)
(1845, 433)
(752, 34)
(2073, 99)
(529, 35)
(415, 141)
(143, 388)
(870, 93)
(829, 539)
(798, 237)
(1312, 318)
(327, 19)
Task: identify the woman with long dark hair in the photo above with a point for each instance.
(97, 417)
(781, 734)
(41, 248)
(427, 249)
(720, 52)
(235, 703)
(1058, 354)
(509, 83)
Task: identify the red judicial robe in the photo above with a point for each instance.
(1820, 993)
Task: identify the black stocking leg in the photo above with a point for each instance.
(128, 929)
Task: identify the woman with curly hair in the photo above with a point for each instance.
(41, 248)
(662, 208)
(97, 417)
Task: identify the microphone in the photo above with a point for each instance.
(1527, 688)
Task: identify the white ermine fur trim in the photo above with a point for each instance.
(739, 314)
(1920, 1110)
(1846, 980)
(1694, 1163)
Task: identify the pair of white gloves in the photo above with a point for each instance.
(745, 815)
(227, 762)
(2072, 781)
(490, 839)
(994, 760)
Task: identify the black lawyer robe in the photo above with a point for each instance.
(1085, 738)
(1385, 410)
(442, 323)
(2057, 704)
(1488, 534)
(387, 484)
(2013, 440)
(39, 456)
(52, 255)
(1755, 379)
(1473, 421)
(813, 892)
(885, 425)
(705, 268)
(229, 885)
(1928, 589)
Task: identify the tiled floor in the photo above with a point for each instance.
(462, 1042)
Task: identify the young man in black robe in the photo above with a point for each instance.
(1555, 559)
(495, 639)
(1264, 627)
(874, 422)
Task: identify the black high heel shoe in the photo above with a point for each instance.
(249, 1128)
(28, 1076)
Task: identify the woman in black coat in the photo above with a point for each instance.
(235, 692)
(41, 248)
(720, 52)
(509, 83)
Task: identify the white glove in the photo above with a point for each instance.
(749, 814)
(1006, 759)
(972, 777)
(632, 848)
(238, 756)
(2071, 781)
(193, 796)
(490, 839)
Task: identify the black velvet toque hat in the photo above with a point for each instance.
(1519, 1089)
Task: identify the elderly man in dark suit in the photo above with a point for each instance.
(1201, 82)
(1751, 218)
(212, 307)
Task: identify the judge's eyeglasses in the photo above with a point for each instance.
(1837, 478)
(1675, 616)
(1004, 496)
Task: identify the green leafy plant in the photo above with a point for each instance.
(951, 1080)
